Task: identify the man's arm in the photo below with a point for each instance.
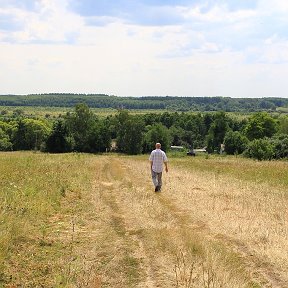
(151, 159)
(166, 166)
(165, 160)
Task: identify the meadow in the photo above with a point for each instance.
(55, 112)
(84, 220)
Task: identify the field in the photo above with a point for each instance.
(79, 220)
(55, 112)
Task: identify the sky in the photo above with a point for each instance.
(144, 47)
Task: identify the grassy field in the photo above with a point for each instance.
(54, 112)
(79, 220)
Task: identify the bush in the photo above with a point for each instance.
(280, 143)
(260, 149)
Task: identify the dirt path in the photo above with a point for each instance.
(139, 238)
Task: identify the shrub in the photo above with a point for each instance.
(280, 143)
(260, 149)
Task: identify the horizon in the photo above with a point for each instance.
(143, 96)
(238, 49)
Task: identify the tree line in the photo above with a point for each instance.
(260, 136)
(169, 103)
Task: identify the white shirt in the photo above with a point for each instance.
(158, 157)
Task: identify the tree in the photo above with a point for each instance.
(235, 142)
(195, 131)
(217, 131)
(157, 133)
(121, 119)
(134, 136)
(80, 124)
(19, 137)
(59, 140)
(168, 119)
(100, 137)
(283, 125)
(5, 143)
(130, 133)
(30, 134)
(8, 128)
(176, 135)
(260, 125)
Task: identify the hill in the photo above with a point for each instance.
(76, 220)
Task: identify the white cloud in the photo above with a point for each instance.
(49, 22)
(213, 51)
(278, 6)
(216, 14)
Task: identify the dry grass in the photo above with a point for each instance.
(94, 221)
(247, 212)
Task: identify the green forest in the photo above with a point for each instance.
(202, 104)
(259, 135)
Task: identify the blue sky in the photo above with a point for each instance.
(144, 47)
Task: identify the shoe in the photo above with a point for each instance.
(156, 188)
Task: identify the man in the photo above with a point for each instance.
(157, 158)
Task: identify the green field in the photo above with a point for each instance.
(55, 112)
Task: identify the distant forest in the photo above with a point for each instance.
(170, 103)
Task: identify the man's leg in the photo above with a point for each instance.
(159, 176)
(154, 178)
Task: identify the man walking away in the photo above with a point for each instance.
(157, 158)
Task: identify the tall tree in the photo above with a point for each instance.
(59, 140)
(260, 125)
(80, 123)
(130, 133)
(134, 132)
(100, 137)
(121, 120)
(217, 131)
(30, 134)
(157, 133)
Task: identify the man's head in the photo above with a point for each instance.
(158, 145)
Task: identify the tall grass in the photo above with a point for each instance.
(34, 189)
(273, 172)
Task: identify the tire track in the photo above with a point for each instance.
(137, 268)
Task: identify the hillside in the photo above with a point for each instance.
(169, 103)
(76, 220)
